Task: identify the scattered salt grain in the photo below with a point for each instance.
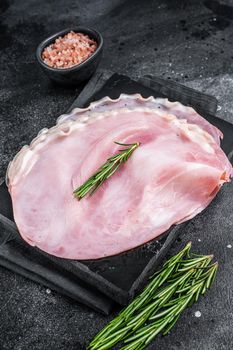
(219, 108)
(229, 246)
(197, 314)
(48, 291)
(199, 240)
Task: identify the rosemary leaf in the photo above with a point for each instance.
(106, 170)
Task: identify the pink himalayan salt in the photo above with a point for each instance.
(69, 50)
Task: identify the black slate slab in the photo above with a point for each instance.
(107, 275)
(141, 262)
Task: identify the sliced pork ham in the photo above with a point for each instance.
(172, 176)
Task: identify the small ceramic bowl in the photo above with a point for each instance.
(78, 73)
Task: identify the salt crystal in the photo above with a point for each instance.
(219, 108)
(199, 240)
(197, 314)
(48, 291)
(229, 246)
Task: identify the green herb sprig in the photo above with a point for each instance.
(106, 170)
(180, 282)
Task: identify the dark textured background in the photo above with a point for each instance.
(185, 40)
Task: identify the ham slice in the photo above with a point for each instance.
(173, 175)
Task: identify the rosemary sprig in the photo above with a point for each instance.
(106, 170)
(180, 282)
(167, 318)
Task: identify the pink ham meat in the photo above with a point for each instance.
(173, 175)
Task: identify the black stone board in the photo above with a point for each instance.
(118, 277)
(142, 261)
